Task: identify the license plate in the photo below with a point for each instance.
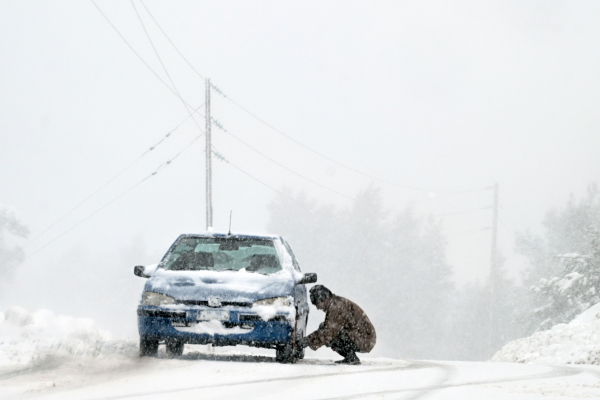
(219, 315)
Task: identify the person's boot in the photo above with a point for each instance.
(350, 359)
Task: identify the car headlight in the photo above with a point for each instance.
(274, 301)
(156, 299)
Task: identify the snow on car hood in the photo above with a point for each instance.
(230, 286)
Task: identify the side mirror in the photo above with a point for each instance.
(140, 270)
(309, 277)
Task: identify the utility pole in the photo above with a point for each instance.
(209, 209)
(493, 270)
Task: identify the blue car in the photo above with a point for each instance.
(225, 290)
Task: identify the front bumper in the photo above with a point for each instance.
(162, 324)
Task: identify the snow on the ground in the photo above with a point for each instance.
(577, 342)
(27, 338)
(44, 356)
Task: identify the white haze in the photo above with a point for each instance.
(443, 96)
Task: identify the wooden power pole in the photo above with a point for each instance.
(209, 208)
(493, 270)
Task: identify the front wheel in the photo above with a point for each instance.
(299, 353)
(174, 347)
(285, 354)
(148, 346)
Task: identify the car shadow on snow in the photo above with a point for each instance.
(253, 358)
(196, 355)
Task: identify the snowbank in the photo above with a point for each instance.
(29, 337)
(577, 342)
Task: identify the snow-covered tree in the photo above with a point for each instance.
(564, 265)
(10, 255)
(575, 289)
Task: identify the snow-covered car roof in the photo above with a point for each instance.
(285, 257)
(232, 236)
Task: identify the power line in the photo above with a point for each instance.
(339, 163)
(137, 54)
(218, 90)
(318, 212)
(154, 48)
(218, 125)
(283, 194)
(221, 127)
(172, 44)
(254, 115)
(185, 104)
(161, 166)
(151, 148)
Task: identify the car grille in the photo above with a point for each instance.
(254, 317)
(160, 313)
(205, 303)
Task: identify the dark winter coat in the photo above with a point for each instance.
(343, 314)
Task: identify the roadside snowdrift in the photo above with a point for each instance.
(577, 342)
(26, 338)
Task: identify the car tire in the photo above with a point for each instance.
(174, 347)
(285, 354)
(148, 346)
(299, 353)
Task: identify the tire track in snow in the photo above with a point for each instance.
(449, 372)
(409, 366)
(556, 372)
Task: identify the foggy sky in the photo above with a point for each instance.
(441, 96)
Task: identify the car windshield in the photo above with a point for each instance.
(222, 254)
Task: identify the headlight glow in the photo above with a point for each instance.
(156, 299)
(274, 301)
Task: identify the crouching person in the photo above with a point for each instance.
(346, 329)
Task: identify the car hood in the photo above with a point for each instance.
(229, 286)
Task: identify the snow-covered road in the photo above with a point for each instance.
(200, 374)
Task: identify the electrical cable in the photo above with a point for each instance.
(220, 126)
(109, 181)
(281, 165)
(174, 90)
(254, 115)
(163, 165)
(172, 44)
(137, 54)
(185, 104)
(294, 140)
(343, 165)
(279, 192)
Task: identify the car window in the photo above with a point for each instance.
(223, 254)
(294, 261)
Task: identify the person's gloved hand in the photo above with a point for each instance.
(302, 342)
